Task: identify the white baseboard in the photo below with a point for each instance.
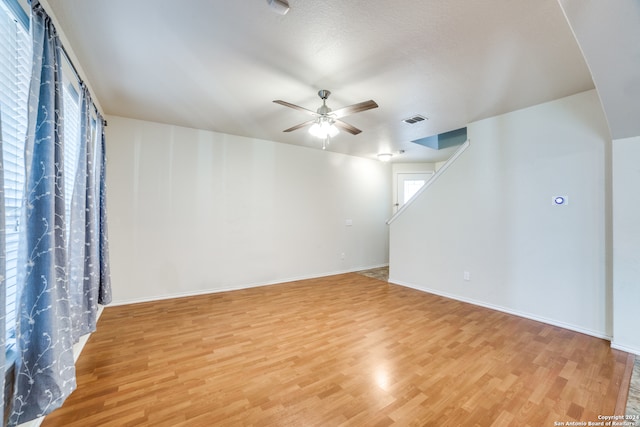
(32, 423)
(632, 350)
(239, 287)
(553, 322)
(79, 346)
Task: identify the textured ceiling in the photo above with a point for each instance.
(218, 65)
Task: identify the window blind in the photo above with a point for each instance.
(15, 60)
(71, 105)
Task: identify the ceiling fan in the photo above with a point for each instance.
(325, 122)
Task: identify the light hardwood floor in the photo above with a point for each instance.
(340, 350)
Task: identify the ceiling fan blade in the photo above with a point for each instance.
(347, 127)
(355, 108)
(296, 107)
(301, 125)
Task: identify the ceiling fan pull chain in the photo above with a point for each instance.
(325, 142)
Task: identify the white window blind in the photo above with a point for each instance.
(71, 105)
(15, 60)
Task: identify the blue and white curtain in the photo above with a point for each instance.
(62, 278)
(89, 275)
(104, 288)
(44, 370)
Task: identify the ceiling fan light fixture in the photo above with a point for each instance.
(323, 129)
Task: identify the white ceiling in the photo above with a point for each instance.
(218, 65)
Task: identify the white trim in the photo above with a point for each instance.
(79, 346)
(525, 315)
(239, 287)
(433, 179)
(33, 423)
(631, 350)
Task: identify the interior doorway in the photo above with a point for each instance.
(408, 184)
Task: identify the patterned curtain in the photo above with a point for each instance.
(45, 372)
(104, 285)
(88, 279)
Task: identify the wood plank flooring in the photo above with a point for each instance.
(341, 350)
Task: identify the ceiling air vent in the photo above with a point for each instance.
(414, 119)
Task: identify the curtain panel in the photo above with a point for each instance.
(88, 278)
(104, 288)
(61, 278)
(45, 371)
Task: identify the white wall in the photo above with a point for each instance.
(491, 214)
(397, 168)
(597, 27)
(626, 244)
(194, 211)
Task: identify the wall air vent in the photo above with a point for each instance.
(414, 119)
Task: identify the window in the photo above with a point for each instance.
(71, 105)
(411, 187)
(15, 64)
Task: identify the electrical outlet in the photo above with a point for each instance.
(342, 255)
(467, 276)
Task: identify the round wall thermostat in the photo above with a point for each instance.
(560, 200)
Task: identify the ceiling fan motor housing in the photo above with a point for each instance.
(324, 94)
(323, 109)
(281, 7)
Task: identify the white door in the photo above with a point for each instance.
(408, 185)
